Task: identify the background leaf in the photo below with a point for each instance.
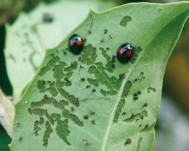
(10, 8)
(101, 108)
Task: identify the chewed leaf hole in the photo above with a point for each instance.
(125, 21)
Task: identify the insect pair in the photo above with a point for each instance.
(124, 52)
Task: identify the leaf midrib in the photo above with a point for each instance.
(105, 139)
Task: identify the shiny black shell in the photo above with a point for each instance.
(124, 53)
(76, 44)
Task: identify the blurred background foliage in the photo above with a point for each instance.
(10, 9)
(172, 127)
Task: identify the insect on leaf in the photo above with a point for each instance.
(28, 38)
(93, 102)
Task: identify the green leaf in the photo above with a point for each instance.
(30, 35)
(91, 105)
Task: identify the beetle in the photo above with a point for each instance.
(124, 52)
(76, 44)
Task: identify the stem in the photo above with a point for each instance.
(7, 112)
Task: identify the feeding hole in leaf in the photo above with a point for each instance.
(138, 116)
(48, 18)
(128, 141)
(139, 142)
(86, 142)
(151, 89)
(140, 77)
(125, 20)
(136, 95)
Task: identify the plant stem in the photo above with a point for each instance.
(7, 112)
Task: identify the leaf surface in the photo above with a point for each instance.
(28, 38)
(82, 102)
